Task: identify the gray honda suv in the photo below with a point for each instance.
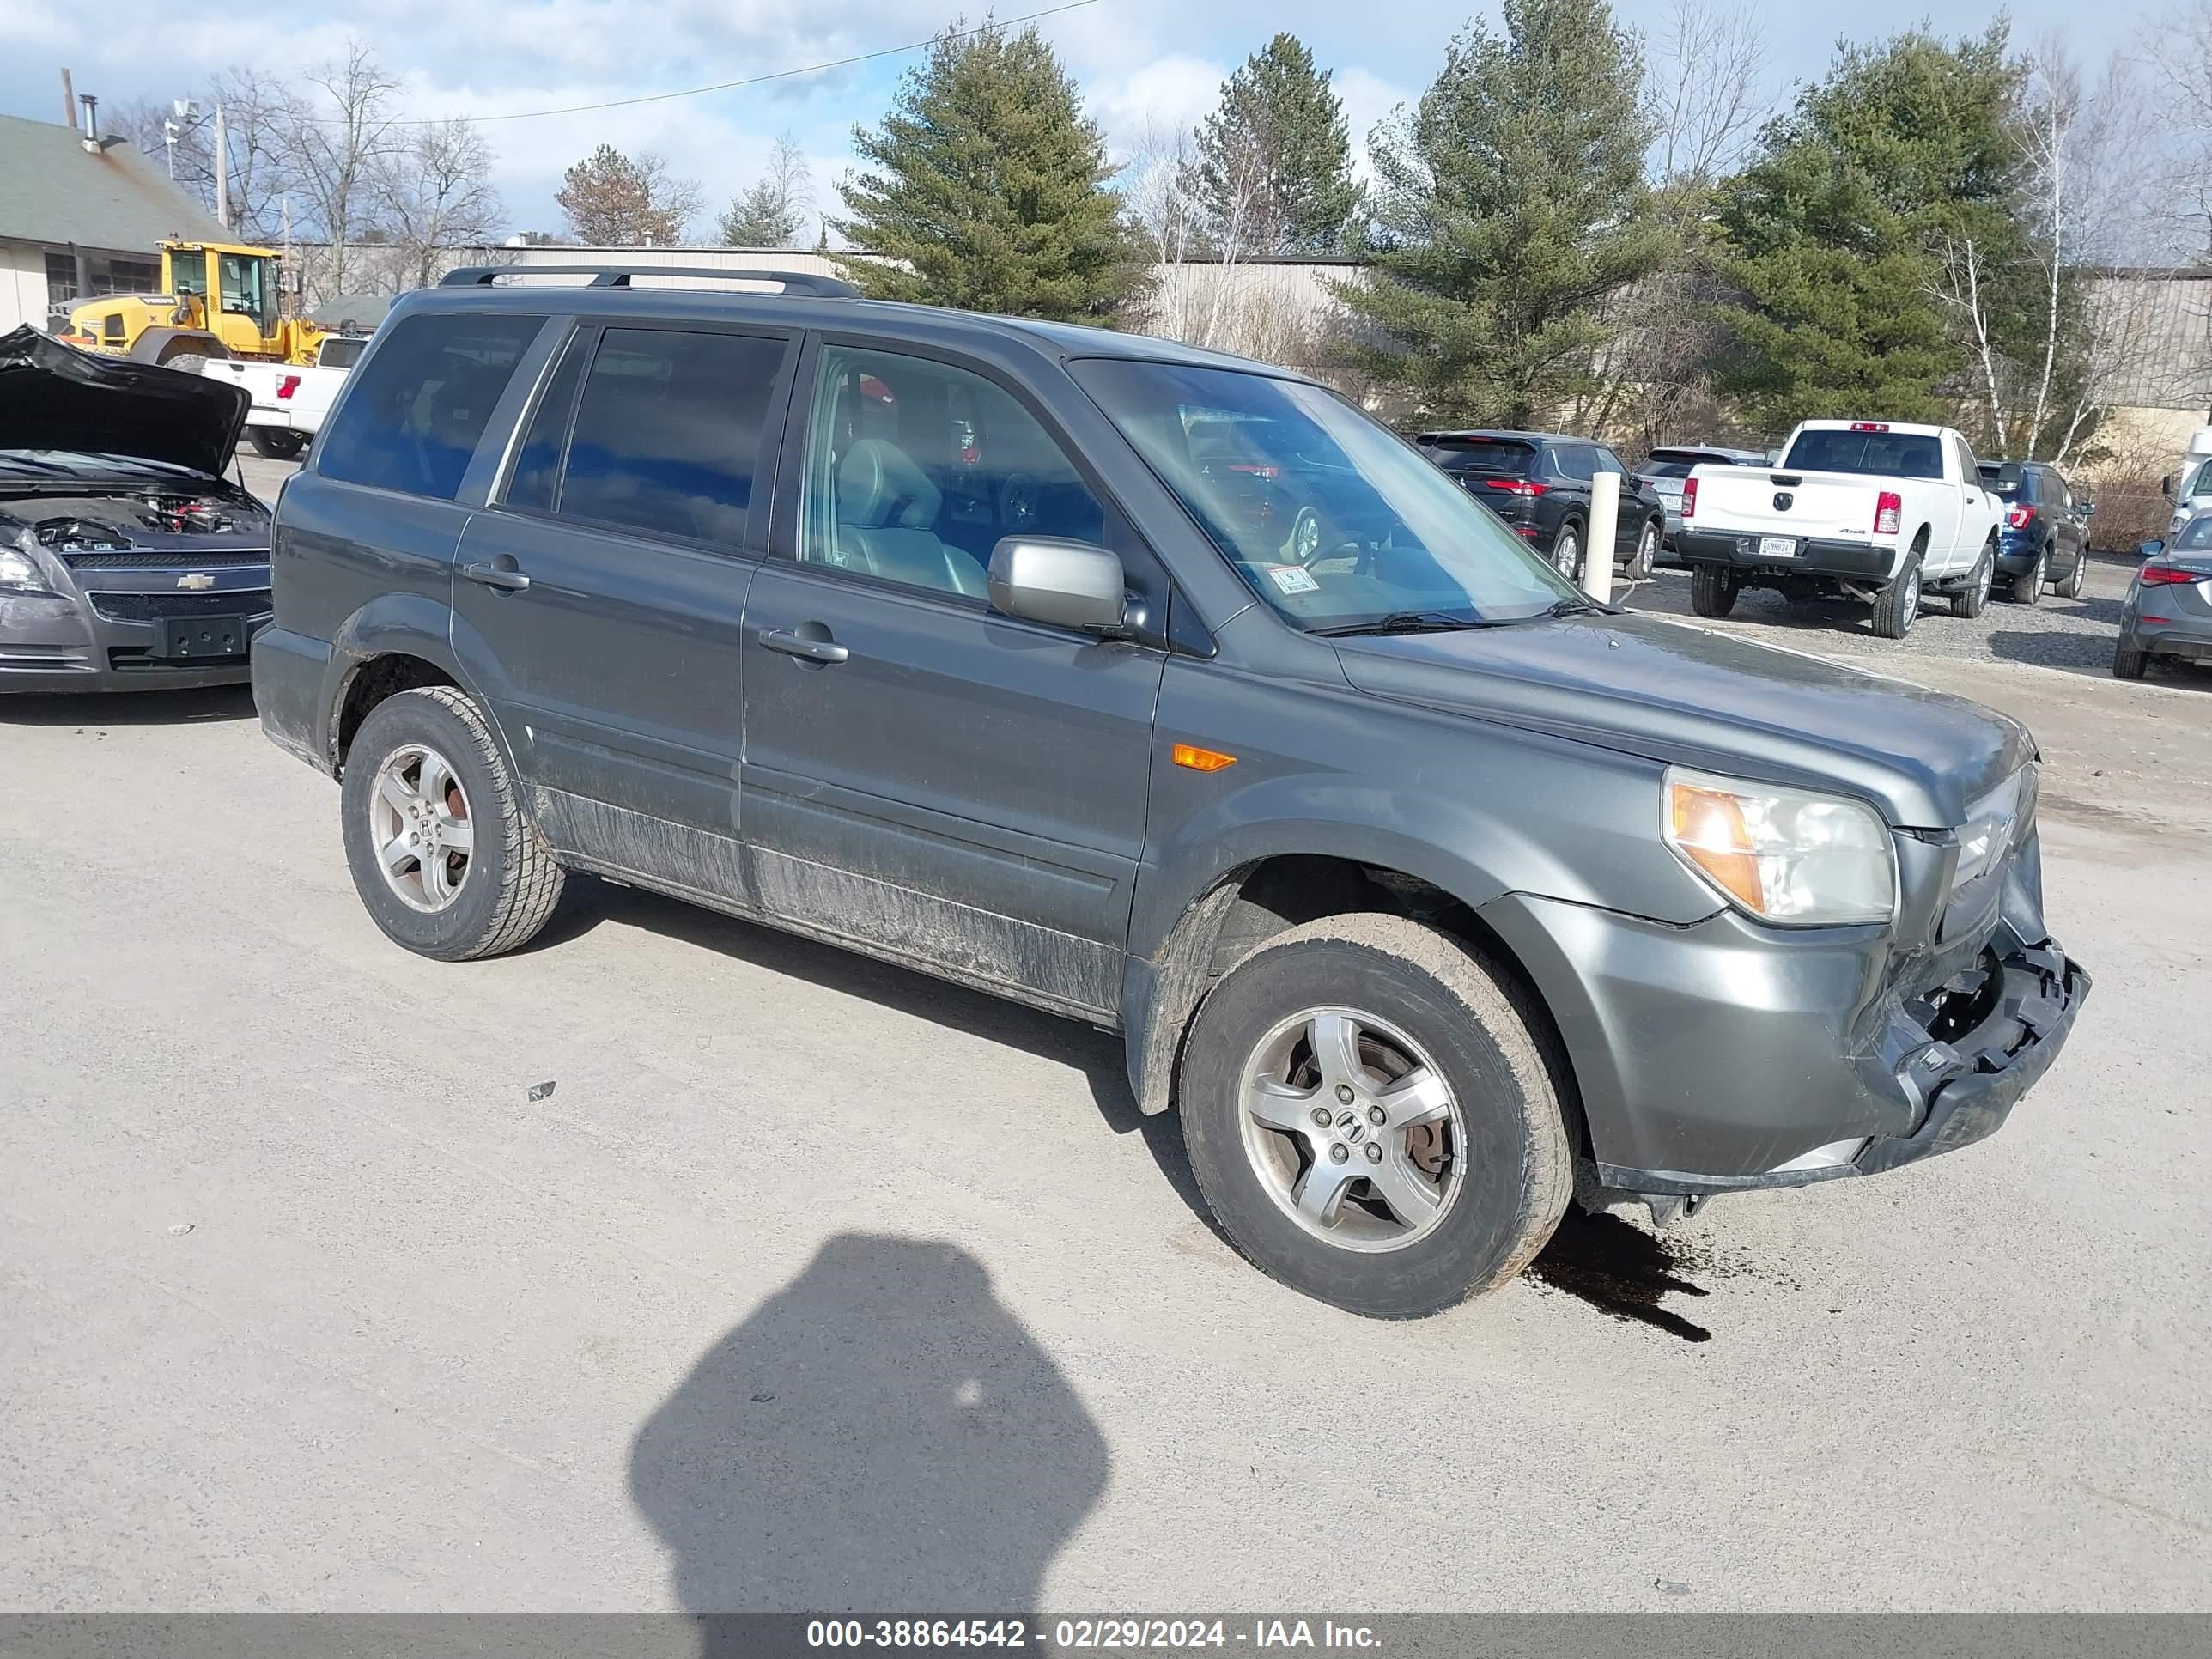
(1425, 889)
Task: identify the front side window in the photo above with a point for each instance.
(417, 406)
(667, 433)
(916, 470)
(1330, 518)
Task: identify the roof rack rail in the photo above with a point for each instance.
(794, 281)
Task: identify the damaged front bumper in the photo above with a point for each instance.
(1959, 1091)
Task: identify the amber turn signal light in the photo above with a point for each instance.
(1202, 760)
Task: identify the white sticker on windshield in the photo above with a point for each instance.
(1291, 579)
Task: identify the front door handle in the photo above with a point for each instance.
(499, 573)
(797, 645)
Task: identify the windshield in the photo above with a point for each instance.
(1329, 518)
(1886, 454)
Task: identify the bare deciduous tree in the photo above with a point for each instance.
(261, 116)
(1709, 95)
(340, 141)
(435, 195)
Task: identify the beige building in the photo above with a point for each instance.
(80, 217)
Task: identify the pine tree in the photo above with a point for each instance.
(1512, 204)
(772, 212)
(987, 188)
(1850, 234)
(1273, 169)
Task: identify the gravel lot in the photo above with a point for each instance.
(2074, 634)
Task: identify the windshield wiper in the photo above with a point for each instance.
(1577, 605)
(1402, 622)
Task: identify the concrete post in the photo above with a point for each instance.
(1604, 523)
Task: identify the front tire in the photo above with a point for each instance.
(1352, 1020)
(2027, 587)
(185, 362)
(1567, 551)
(1713, 590)
(1968, 601)
(1898, 602)
(444, 858)
(1646, 556)
(2077, 578)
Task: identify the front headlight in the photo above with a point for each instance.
(1993, 823)
(1784, 855)
(17, 572)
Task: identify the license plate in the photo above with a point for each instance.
(189, 638)
(1777, 547)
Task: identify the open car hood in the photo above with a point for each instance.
(54, 397)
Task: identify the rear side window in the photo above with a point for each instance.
(667, 436)
(420, 404)
(1576, 461)
(1892, 454)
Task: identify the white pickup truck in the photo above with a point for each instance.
(290, 401)
(1884, 512)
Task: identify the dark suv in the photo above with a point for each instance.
(1539, 483)
(2044, 539)
(1412, 878)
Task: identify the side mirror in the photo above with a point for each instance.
(2150, 549)
(1067, 584)
(2166, 486)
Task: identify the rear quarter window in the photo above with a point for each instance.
(417, 407)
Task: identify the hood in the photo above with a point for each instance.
(1681, 693)
(54, 397)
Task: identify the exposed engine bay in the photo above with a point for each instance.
(106, 524)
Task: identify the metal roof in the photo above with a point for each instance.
(53, 190)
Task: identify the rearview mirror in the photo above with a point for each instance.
(1067, 584)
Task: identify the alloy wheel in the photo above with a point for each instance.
(420, 826)
(1352, 1129)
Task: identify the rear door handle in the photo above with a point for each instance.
(797, 645)
(499, 572)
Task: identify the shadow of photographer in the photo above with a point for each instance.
(881, 1435)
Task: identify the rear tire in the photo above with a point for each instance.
(500, 891)
(1898, 602)
(271, 443)
(1713, 589)
(2027, 587)
(185, 362)
(1487, 1138)
(2129, 661)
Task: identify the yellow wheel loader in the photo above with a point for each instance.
(218, 300)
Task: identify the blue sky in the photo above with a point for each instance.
(1137, 60)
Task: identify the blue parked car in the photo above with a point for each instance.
(2043, 540)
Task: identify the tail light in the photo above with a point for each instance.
(286, 385)
(2016, 518)
(2164, 575)
(1888, 509)
(1524, 487)
(1689, 499)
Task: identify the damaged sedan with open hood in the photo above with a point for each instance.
(127, 560)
